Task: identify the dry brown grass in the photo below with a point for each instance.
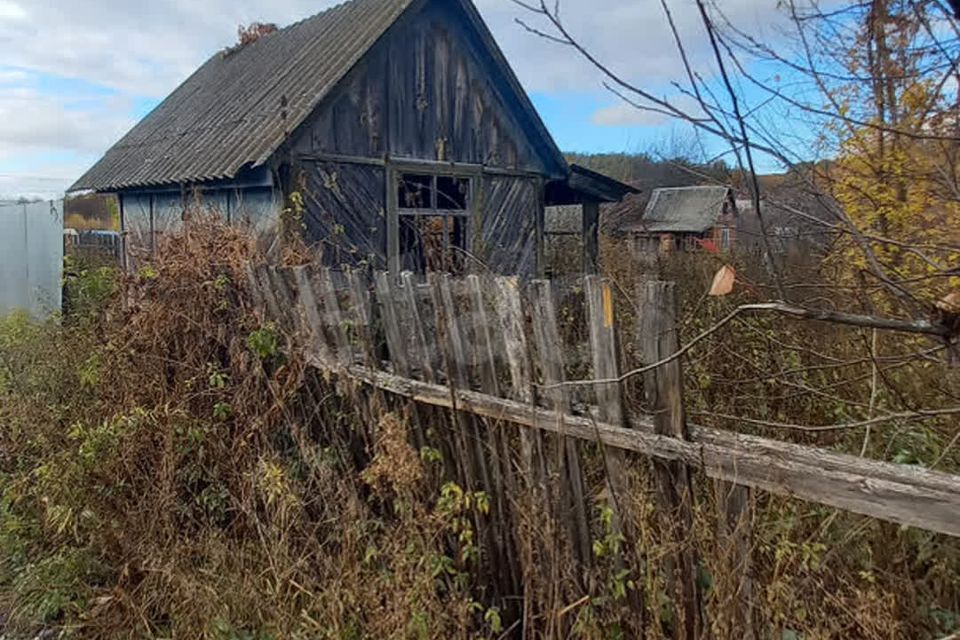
(171, 468)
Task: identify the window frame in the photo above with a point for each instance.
(395, 169)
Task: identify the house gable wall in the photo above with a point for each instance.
(428, 90)
(431, 91)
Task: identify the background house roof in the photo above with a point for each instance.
(682, 210)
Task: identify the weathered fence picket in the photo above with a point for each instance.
(606, 366)
(496, 439)
(327, 292)
(550, 350)
(396, 344)
(664, 392)
(361, 317)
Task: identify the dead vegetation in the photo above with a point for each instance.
(171, 468)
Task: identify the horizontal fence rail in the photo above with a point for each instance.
(488, 347)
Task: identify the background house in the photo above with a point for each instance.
(399, 121)
(684, 218)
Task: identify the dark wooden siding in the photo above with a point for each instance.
(344, 215)
(428, 91)
(509, 224)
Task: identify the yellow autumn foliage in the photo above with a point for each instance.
(898, 188)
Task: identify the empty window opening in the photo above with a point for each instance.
(452, 193)
(415, 191)
(433, 243)
(425, 192)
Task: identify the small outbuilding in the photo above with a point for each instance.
(685, 219)
(399, 122)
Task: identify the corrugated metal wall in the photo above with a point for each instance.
(31, 257)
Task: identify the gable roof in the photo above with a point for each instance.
(682, 210)
(238, 108)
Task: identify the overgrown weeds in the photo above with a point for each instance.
(170, 468)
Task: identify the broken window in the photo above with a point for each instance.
(415, 191)
(433, 221)
(452, 193)
(433, 243)
(432, 192)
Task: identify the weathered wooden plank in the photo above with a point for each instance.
(333, 318)
(896, 493)
(259, 302)
(550, 349)
(484, 356)
(360, 315)
(500, 467)
(603, 344)
(509, 310)
(664, 393)
(391, 323)
(419, 350)
(311, 312)
(507, 235)
(447, 319)
(605, 362)
(470, 454)
(537, 495)
(734, 535)
(469, 436)
(283, 289)
(262, 275)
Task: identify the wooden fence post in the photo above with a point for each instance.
(509, 308)
(391, 323)
(361, 316)
(664, 391)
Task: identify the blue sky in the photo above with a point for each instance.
(75, 75)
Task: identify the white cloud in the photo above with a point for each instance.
(627, 115)
(11, 11)
(150, 49)
(12, 76)
(146, 50)
(50, 186)
(632, 38)
(31, 121)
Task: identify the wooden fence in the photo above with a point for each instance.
(495, 350)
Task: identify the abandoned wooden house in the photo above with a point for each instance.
(400, 123)
(686, 219)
